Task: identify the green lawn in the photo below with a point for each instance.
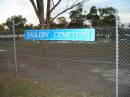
(11, 86)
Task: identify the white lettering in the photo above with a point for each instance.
(59, 35)
(78, 35)
(43, 34)
(37, 35)
(70, 35)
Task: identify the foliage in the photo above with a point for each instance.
(93, 17)
(11, 86)
(1, 27)
(20, 87)
(61, 20)
(45, 18)
(97, 17)
(52, 25)
(28, 26)
(107, 16)
(77, 17)
(19, 22)
(102, 16)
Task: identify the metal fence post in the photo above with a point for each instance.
(117, 56)
(14, 43)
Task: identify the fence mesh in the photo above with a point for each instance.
(84, 67)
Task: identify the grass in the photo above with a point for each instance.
(11, 86)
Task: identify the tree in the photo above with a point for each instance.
(107, 16)
(93, 16)
(77, 17)
(28, 26)
(52, 25)
(19, 23)
(40, 9)
(2, 27)
(18, 20)
(61, 20)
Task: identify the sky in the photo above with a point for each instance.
(9, 8)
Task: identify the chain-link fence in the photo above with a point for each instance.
(85, 67)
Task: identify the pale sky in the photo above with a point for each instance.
(9, 8)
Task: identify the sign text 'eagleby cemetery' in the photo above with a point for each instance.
(61, 34)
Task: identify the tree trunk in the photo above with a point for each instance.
(42, 22)
(48, 14)
(40, 13)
